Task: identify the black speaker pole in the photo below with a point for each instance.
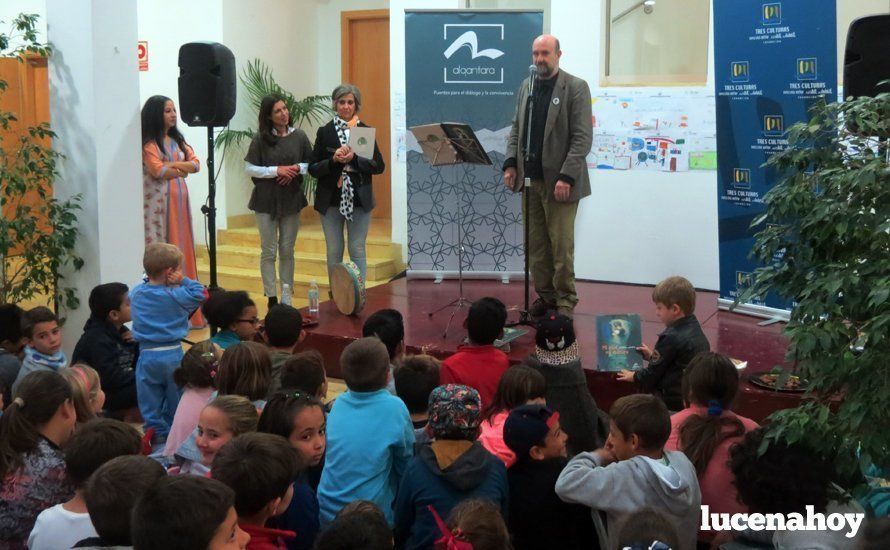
(209, 211)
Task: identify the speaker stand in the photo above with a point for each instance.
(209, 211)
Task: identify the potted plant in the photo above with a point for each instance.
(824, 242)
(37, 231)
(258, 81)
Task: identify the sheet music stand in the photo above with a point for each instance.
(451, 144)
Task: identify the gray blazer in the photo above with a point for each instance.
(568, 134)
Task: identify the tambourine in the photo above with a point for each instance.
(348, 288)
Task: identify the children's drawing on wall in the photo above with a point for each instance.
(636, 130)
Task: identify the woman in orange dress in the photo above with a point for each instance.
(167, 160)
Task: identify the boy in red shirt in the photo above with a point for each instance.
(260, 468)
(479, 364)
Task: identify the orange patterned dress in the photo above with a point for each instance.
(168, 217)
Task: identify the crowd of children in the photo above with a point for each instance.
(241, 449)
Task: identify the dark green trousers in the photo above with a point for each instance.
(551, 248)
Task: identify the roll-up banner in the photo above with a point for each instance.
(772, 61)
(465, 66)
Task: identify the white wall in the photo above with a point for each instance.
(99, 131)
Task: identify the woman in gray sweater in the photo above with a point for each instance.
(276, 161)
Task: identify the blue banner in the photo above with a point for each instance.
(772, 62)
(465, 66)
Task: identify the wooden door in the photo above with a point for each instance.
(365, 63)
(27, 97)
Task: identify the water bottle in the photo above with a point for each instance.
(313, 299)
(286, 295)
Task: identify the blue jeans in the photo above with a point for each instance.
(357, 233)
(158, 393)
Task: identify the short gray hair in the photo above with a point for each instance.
(344, 89)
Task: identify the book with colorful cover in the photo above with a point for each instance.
(617, 337)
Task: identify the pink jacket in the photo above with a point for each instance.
(492, 438)
(185, 420)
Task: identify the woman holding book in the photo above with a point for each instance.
(344, 195)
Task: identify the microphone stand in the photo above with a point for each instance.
(525, 317)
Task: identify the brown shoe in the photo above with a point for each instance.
(540, 308)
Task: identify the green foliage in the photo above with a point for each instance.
(828, 223)
(258, 81)
(32, 257)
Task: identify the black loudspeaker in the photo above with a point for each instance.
(866, 58)
(206, 84)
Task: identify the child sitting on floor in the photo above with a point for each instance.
(633, 472)
(86, 391)
(479, 364)
(520, 385)
(107, 345)
(305, 372)
(477, 523)
(707, 428)
(225, 418)
(245, 369)
(416, 376)
(389, 326)
(234, 314)
(12, 345)
(94, 444)
(282, 331)
(36, 424)
(196, 376)
(43, 344)
(111, 494)
(557, 357)
(205, 516)
(453, 468)
(360, 525)
(260, 468)
(681, 340)
(300, 418)
(538, 518)
(370, 437)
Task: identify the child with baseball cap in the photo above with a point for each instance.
(537, 517)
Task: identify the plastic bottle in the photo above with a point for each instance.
(286, 295)
(313, 299)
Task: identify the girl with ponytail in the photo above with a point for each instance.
(36, 424)
(706, 429)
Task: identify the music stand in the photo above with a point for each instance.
(451, 144)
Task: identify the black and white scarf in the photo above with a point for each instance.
(346, 192)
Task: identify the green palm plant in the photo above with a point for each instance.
(258, 82)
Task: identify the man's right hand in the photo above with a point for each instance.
(510, 178)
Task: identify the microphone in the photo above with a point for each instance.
(532, 77)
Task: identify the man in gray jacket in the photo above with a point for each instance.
(633, 472)
(556, 171)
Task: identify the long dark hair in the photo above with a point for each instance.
(265, 118)
(710, 380)
(153, 123)
(282, 409)
(517, 385)
(36, 401)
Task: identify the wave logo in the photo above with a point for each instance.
(806, 68)
(739, 71)
(741, 178)
(471, 41)
(467, 62)
(773, 125)
(771, 14)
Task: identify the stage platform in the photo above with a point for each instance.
(736, 335)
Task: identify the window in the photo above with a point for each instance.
(543, 5)
(656, 42)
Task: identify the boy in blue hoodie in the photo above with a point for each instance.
(633, 472)
(161, 308)
(370, 435)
